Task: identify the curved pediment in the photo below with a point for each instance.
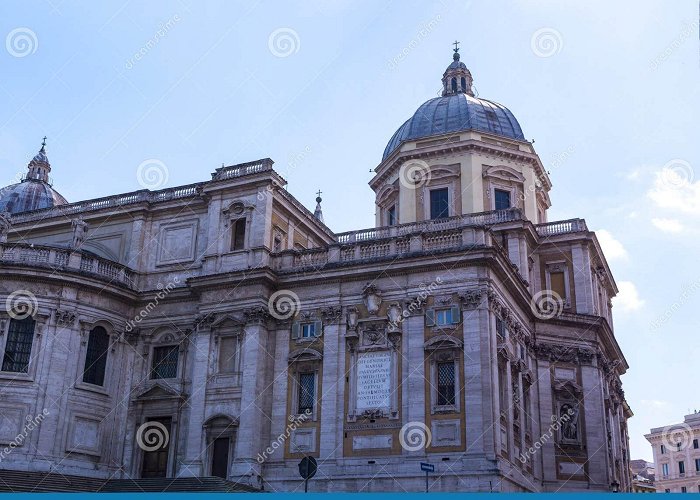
(504, 173)
(305, 354)
(443, 342)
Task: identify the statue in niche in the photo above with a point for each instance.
(568, 415)
(373, 299)
(80, 229)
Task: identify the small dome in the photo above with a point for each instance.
(34, 192)
(29, 195)
(456, 113)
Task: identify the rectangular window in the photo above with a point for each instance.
(238, 235)
(18, 348)
(308, 330)
(96, 356)
(558, 284)
(446, 384)
(695, 444)
(228, 347)
(443, 317)
(678, 446)
(684, 489)
(697, 465)
(664, 469)
(663, 450)
(439, 203)
(164, 362)
(307, 382)
(681, 467)
(500, 328)
(391, 215)
(502, 199)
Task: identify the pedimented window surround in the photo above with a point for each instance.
(443, 349)
(441, 177)
(506, 179)
(388, 197)
(235, 211)
(301, 361)
(559, 267)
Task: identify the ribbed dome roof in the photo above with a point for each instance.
(29, 195)
(456, 111)
(34, 192)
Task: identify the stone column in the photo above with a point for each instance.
(255, 359)
(195, 453)
(332, 378)
(414, 335)
(546, 454)
(596, 439)
(583, 281)
(479, 354)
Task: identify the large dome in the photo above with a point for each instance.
(457, 110)
(34, 192)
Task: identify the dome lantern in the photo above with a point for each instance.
(457, 79)
(39, 167)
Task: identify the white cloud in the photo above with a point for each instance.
(628, 297)
(612, 248)
(667, 225)
(674, 189)
(654, 403)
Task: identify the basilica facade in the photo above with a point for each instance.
(222, 329)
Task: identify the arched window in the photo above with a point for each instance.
(454, 85)
(18, 348)
(96, 356)
(464, 84)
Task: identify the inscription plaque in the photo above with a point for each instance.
(373, 380)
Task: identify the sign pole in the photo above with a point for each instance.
(306, 485)
(426, 481)
(427, 468)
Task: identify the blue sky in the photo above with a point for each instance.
(612, 107)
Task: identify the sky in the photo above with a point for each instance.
(159, 94)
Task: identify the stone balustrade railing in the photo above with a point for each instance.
(388, 247)
(144, 195)
(449, 223)
(66, 259)
(561, 227)
(252, 167)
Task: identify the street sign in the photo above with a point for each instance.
(427, 467)
(307, 470)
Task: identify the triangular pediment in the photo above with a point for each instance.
(157, 391)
